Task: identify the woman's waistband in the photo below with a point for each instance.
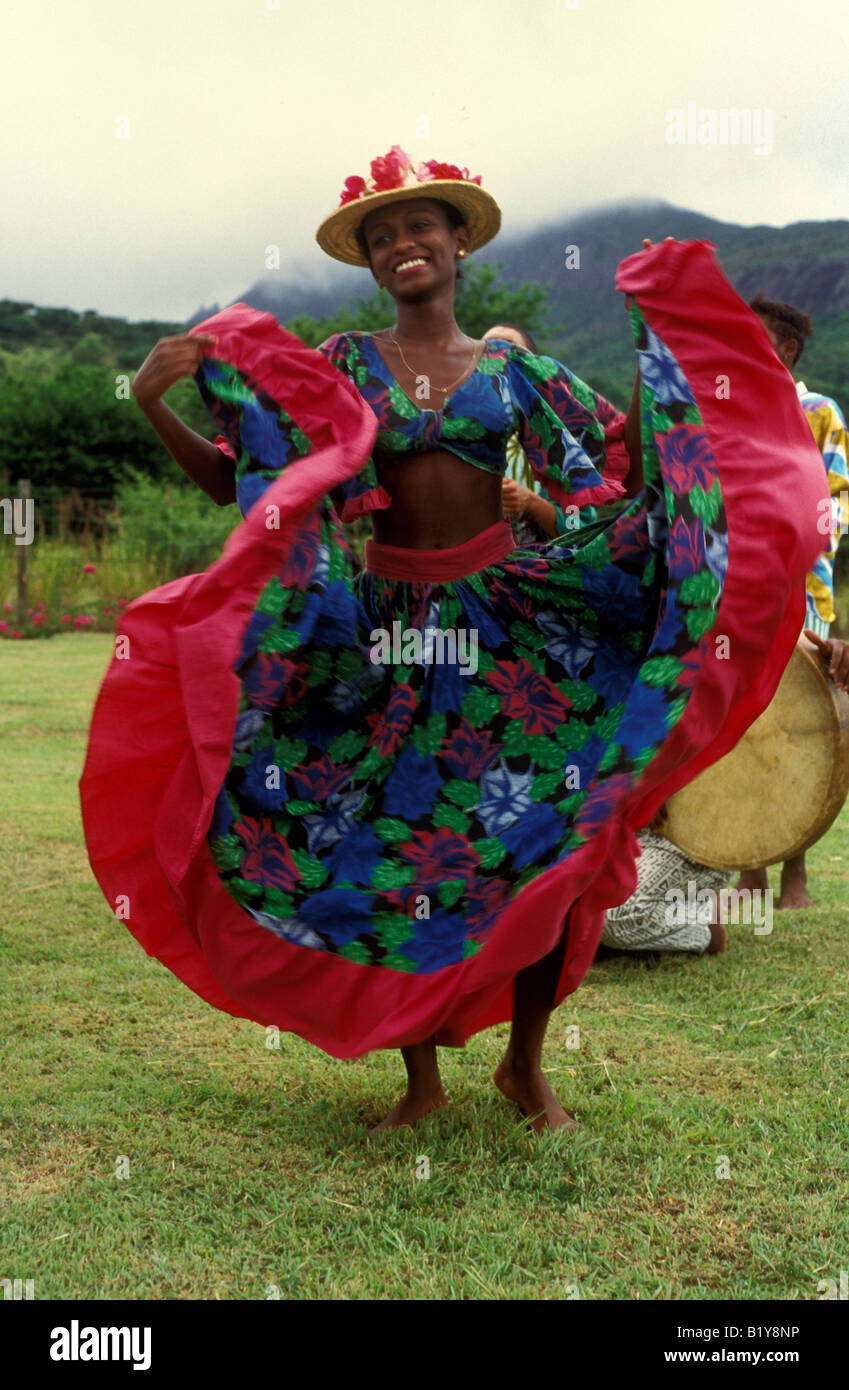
(434, 566)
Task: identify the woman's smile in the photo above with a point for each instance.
(410, 266)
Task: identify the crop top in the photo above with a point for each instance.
(565, 428)
(572, 437)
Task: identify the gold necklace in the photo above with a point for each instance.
(443, 389)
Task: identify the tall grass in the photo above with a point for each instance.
(89, 558)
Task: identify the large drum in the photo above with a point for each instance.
(780, 787)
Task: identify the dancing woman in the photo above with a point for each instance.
(316, 819)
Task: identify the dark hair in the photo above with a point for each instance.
(455, 219)
(785, 321)
(517, 328)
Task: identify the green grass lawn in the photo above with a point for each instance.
(252, 1169)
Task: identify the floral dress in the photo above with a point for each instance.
(365, 852)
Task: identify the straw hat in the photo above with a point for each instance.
(393, 179)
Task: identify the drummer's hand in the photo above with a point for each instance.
(514, 497)
(836, 653)
(170, 359)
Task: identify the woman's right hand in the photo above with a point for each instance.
(170, 359)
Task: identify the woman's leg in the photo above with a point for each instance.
(520, 1075)
(424, 1087)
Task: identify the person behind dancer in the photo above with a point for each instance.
(520, 502)
(643, 922)
(297, 903)
(789, 328)
(531, 515)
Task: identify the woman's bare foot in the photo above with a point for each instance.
(534, 1097)
(424, 1087)
(411, 1108)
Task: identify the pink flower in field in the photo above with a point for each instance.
(89, 569)
(16, 634)
(107, 612)
(66, 619)
(7, 607)
(121, 601)
(82, 621)
(4, 627)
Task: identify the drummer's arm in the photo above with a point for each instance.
(836, 653)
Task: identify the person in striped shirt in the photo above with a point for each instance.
(788, 328)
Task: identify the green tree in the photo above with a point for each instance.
(483, 300)
(91, 351)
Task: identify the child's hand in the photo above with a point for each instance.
(836, 654)
(514, 497)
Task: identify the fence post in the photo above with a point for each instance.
(23, 551)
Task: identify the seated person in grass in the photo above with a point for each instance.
(651, 919)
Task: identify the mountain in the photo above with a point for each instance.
(805, 263)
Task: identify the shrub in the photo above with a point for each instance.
(177, 529)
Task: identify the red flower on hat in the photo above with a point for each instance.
(387, 171)
(355, 187)
(432, 169)
(395, 170)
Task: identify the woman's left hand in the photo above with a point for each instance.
(647, 242)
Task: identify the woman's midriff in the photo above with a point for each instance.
(438, 501)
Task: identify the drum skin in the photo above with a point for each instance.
(780, 787)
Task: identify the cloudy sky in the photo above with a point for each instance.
(153, 149)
